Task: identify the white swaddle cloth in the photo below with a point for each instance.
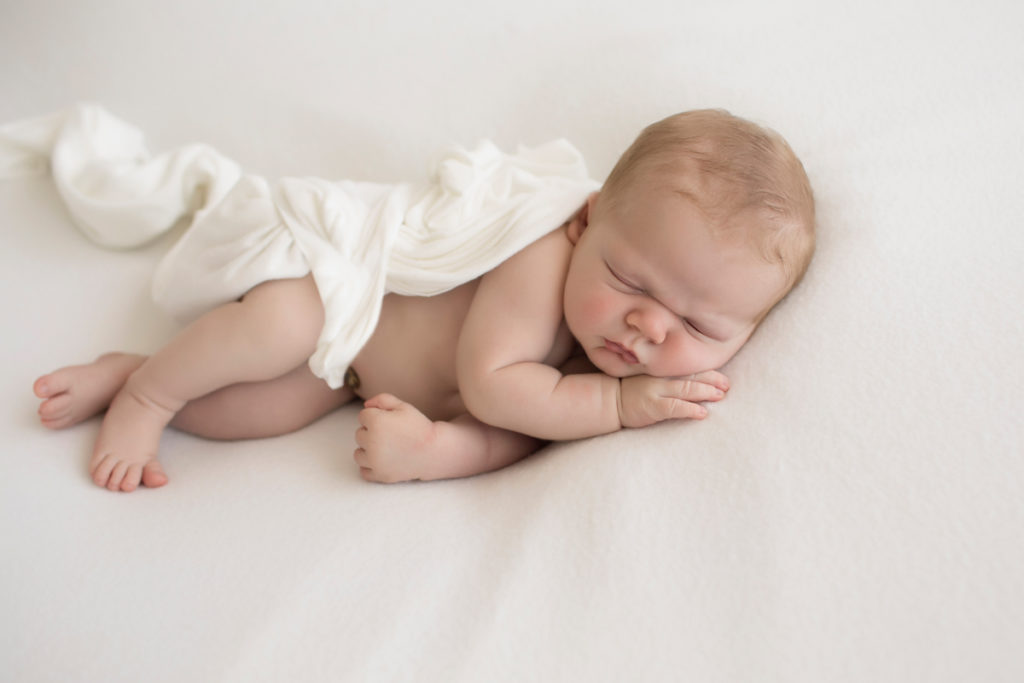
(359, 240)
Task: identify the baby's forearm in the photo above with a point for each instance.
(538, 400)
(465, 446)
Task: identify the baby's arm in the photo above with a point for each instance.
(508, 334)
(399, 443)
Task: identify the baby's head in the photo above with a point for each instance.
(745, 179)
(704, 224)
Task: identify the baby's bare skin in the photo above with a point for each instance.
(78, 392)
(411, 354)
(422, 332)
(412, 351)
(223, 377)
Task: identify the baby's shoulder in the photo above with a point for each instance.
(532, 278)
(548, 254)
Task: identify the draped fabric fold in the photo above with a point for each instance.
(360, 240)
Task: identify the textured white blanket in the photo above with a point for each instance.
(360, 240)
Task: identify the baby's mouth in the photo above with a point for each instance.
(622, 352)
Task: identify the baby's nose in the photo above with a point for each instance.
(649, 323)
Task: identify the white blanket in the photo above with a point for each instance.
(360, 240)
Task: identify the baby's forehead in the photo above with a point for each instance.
(681, 203)
(671, 233)
(681, 179)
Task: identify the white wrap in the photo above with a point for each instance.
(360, 240)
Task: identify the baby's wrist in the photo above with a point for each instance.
(618, 402)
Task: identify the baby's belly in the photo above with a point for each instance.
(412, 352)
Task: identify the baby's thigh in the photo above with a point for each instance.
(252, 410)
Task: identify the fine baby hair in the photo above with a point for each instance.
(745, 178)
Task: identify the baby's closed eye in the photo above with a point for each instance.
(629, 284)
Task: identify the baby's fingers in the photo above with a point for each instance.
(362, 437)
(366, 466)
(695, 390)
(677, 409)
(712, 377)
(362, 459)
(384, 402)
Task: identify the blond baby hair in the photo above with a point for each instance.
(743, 177)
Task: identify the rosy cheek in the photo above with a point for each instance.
(591, 306)
(685, 355)
(681, 355)
(598, 306)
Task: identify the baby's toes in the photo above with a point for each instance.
(102, 468)
(43, 387)
(116, 475)
(153, 474)
(56, 412)
(52, 384)
(131, 479)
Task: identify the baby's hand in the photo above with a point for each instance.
(644, 400)
(394, 440)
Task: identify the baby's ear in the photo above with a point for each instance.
(579, 222)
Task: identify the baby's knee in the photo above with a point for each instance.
(293, 307)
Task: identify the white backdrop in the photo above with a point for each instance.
(853, 511)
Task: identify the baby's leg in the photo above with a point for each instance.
(249, 410)
(271, 331)
(78, 392)
(253, 410)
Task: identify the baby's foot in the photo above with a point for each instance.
(125, 451)
(78, 392)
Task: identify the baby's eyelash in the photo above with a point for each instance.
(626, 282)
(636, 288)
(700, 331)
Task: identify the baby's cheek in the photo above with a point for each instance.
(712, 357)
(587, 308)
(597, 307)
(688, 356)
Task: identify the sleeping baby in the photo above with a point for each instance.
(506, 303)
